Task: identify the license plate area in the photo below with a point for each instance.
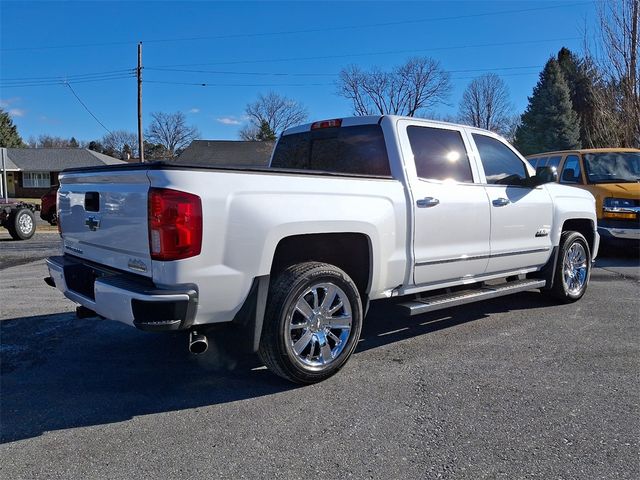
(81, 278)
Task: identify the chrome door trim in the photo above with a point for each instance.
(466, 258)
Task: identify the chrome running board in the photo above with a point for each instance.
(438, 302)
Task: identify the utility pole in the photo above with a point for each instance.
(140, 137)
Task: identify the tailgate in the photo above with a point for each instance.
(103, 218)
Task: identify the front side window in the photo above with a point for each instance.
(501, 165)
(36, 179)
(439, 154)
(571, 172)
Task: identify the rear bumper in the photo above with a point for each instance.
(124, 297)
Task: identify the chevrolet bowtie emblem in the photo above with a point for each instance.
(93, 223)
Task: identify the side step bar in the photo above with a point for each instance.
(438, 302)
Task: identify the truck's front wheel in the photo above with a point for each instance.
(312, 324)
(573, 268)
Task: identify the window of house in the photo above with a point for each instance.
(501, 164)
(439, 154)
(36, 179)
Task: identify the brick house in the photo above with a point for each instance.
(32, 171)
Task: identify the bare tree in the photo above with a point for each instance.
(119, 143)
(485, 104)
(171, 131)
(50, 141)
(618, 95)
(273, 113)
(407, 89)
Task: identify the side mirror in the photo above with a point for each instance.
(544, 175)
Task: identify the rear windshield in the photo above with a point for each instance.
(356, 150)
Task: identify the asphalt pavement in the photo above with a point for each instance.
(517, 387)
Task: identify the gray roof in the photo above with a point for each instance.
(226, 152)
(56, 159)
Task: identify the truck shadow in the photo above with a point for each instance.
(57, 372)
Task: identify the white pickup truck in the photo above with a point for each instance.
(349, 210)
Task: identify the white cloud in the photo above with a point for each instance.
(228, 121)
(194, 110)
(7, 102)
(17, 112)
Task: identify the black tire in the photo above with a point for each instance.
(334, 298)
(22, 224)
(573, 268)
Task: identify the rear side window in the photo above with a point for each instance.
(356, 150)
(501, 165)
(554, 161)
(538, 161)
(571, 172)
(439, 154)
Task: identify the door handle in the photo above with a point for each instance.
(501, 202)
(427, 202)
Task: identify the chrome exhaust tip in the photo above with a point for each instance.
(198, 343)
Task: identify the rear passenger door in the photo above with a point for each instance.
(521, 216)
(450, 207)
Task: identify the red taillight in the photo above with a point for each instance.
(175, 224)
(336, 122)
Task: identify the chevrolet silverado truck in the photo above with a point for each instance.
(350, 210)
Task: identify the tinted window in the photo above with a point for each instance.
(500, 164)
(439, 154)
(554, 161)
(571, 172)
(541, 162)
(356, 150)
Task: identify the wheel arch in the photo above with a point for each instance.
(349, 251)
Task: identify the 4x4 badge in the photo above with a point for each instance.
(93, 223)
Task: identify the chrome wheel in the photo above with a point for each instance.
(575, 268)
(318, 326)
(25, 224)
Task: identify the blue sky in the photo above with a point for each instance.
(243, 49)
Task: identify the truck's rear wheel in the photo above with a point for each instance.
(573, 268)
(22, 224)
(312, 324)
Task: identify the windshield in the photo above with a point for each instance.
(612, 167)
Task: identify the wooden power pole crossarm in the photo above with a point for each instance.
(140, 136)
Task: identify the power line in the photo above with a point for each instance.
(324, 74)
(45, 83)
(231, 85)
(204, 84)
(85, 107)
(368, 54)
(305, 31)
(71, 76)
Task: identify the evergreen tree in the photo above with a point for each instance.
(9, 136)
(265, 133)
(96, 146)
(549, 122)
(579, 79)
(73, 143)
